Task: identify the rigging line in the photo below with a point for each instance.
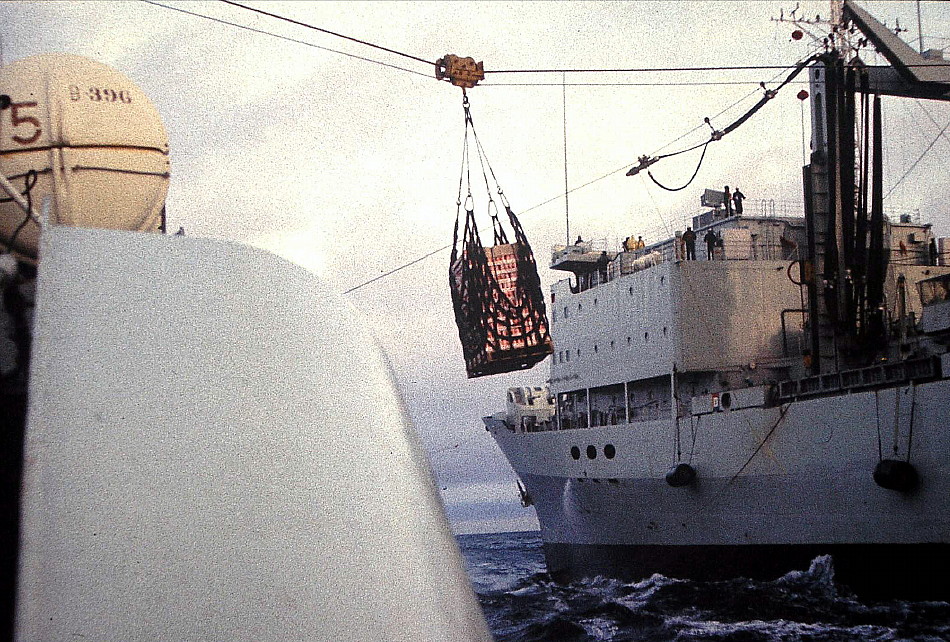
(930, 116)
(332, 33)
(919, 158)
(629, 84)
(666, 226)
(801, 60)
(446, 247)
(397, 269)
(567, 208)
(913, 408)
(695, 429)
(877, 413)
(622, 168)
(287, 38)
(761, 444)
(664, 69)
(678, 189)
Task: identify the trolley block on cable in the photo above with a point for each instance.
(461, 72)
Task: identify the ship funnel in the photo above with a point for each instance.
(84, 147)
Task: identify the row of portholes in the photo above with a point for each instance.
(565, 355)
(580, 306)
(630, 289)
(609, 452)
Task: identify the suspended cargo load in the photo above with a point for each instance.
(496, 291)
(499, 308)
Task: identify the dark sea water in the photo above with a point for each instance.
(522, 605)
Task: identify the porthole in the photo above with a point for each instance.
(579, 307)
(664, 331)
(595, 348)
(595, 302)
(591, 452)
(628, 340)
(578, 352)
(565, 312)
(575, 452)
(609, 451)
(662, 280)
(630, 290)
(646, 336)
(611, 343)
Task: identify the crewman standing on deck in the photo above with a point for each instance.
(689, 239)
(737, 198)
(710, 239)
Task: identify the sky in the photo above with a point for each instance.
(346, 158)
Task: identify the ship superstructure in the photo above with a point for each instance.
(782, 396)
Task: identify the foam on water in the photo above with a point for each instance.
(522, 605)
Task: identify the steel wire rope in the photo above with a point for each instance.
(550, 200)
(677, 69)
(282, 37)
(583, 185)
(695, 429)
(499, 233)
(327, 31)
(668, 228)
(782, 413)
(716, 135)
(940, 135)
(930, 116)
(630, 84)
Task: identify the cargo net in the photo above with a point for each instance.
(496, 291)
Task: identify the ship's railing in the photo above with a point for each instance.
(559, 252)
(885, 374)
(765, 208)
(761, 250)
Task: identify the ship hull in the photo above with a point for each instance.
(909, 571)
(775, 487)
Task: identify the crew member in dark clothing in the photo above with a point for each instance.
(737, 197)
(689, 239)
(727, 201)
(710, 239)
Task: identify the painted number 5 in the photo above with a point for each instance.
(16, 119)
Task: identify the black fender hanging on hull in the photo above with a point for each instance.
(680, 475)
(894, 474)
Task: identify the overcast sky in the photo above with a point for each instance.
(351, 168)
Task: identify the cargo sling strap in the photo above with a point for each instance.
(496, 291)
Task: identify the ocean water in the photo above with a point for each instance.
(522, 605)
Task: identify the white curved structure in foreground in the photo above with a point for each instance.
(216, 451)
